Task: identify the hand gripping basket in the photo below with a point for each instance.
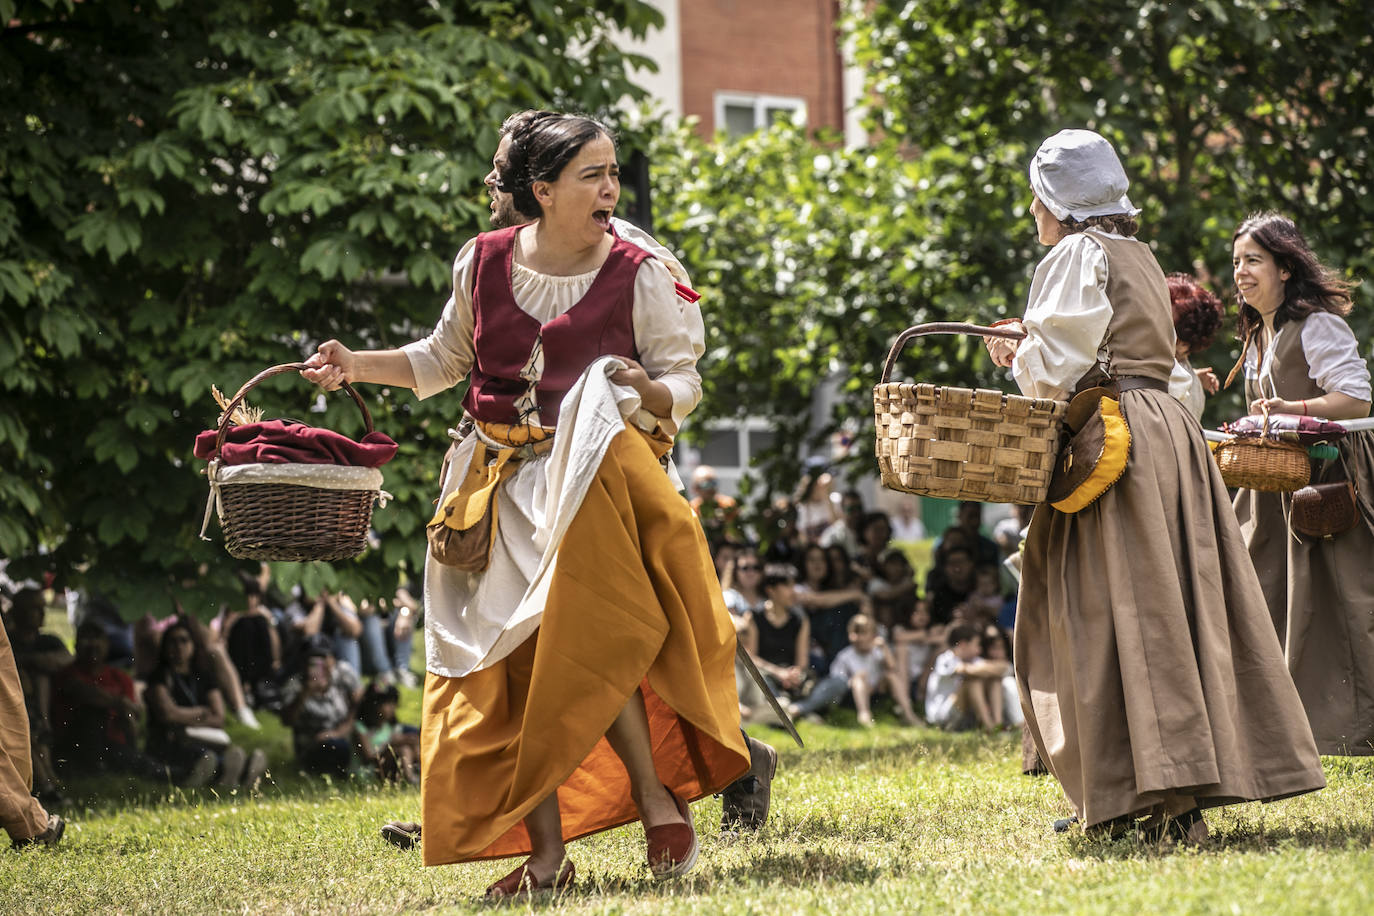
(962, 443)
(1263, 463)
(292, 512)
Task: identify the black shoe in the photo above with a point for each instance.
(401, 834)
(50, 837)
(745, 802)
(1064, 823)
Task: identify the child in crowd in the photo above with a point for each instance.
(892, 590)
(997, 648)
(863, 668)
(965, 690)
(390, 748)
(914, 644)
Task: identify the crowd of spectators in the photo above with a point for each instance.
(150, 699)
(830, 608)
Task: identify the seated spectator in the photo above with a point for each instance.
(965, 691)
(983, 606)
(320, 705)
(390, 749)
(211, 655)
(875, 534)
(829, 601)
(335, 617)
(970, 522)
(777, 637)
(37, 656)
(406, 611)
(892, 590)
(915, 644)
(996, 645)
(97, 711)
(253, 643)
(863, 668)
(950, 583)
(907, 527)
(780, 536)
(117, 630)
(816, 506)
(848, 530)
(186, 720)
(718, 513)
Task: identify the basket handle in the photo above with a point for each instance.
(943, 327)
(266, 374)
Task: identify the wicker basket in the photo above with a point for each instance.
(1263, 464)
(292, 522)
(961, 443)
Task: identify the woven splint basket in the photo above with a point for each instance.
(303, 511)
(1263, 463)
(962, 443)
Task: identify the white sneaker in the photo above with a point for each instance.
(245, 715)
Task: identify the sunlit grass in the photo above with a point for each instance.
(888, 820)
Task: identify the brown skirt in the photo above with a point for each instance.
(634, 603)
(1149, 671)
(1321, 597)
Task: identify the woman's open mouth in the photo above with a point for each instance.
(602, 218)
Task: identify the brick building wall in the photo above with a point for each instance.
(783, 48)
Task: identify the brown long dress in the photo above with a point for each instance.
(1320, 591)
(1149, 672)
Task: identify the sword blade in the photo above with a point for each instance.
(768, 695)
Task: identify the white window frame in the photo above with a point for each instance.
(760, 104)
(727, 476)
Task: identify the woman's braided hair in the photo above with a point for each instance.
(541, 146)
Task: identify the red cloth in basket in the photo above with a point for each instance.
(290, 442)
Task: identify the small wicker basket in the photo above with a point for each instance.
(961, 443)
(289, 521)
(1263, 464)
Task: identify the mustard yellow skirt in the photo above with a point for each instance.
(634, 603)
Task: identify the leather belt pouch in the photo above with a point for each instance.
(1093, 452)
(1324, 510)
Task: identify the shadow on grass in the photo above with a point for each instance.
(1245, 838)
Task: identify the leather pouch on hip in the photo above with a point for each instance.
(1094, 449)
(1324, 510)
(463, 530)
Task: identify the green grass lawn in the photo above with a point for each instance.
(889, 820)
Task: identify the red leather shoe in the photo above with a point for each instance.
(672, 847)
(522, 883)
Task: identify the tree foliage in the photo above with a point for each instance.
(1219, 109)
(813, 258)
(190, 192)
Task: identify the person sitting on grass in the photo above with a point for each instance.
(391, 749)
(186, 720)
(965, 690)
(914, 646)
(861, 669)
(321, 706)
(777, 637)
(97, 711)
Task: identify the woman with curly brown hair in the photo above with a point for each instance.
(1197, 317)
(1300, 357)
(1148, 672)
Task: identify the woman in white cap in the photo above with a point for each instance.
(1149, 672)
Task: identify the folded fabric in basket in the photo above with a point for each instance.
(290, 442)
(1285, 427)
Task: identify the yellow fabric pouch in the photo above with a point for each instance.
(463, 530)
(1093, 453)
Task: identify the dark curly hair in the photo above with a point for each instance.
(1197, 311)
(541, 146)
(1311, 286)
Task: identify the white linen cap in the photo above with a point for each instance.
(1077, 173)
